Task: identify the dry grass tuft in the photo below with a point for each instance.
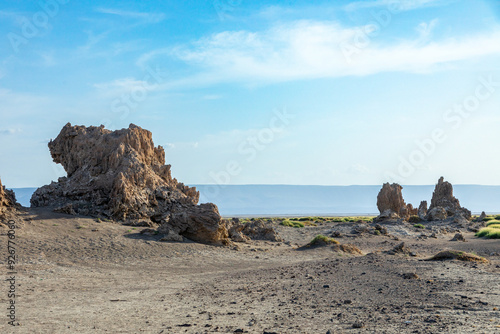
(457, 255)
(347, 248)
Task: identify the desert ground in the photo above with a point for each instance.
(81, 275)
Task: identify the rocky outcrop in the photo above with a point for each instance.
(443, 200)
(122, 175)
(482, 216)
(422, 210)
(8, 203)
(391, 204)
(437, 213)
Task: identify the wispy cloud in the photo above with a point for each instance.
(122, 86)
(311, 49)
(142, 16)
(400, 5)
(10, 131)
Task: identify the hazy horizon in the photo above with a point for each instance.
(237, 92)
(302, 200)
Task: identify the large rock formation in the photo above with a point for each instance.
(391, 204)
(8, 203)
(122, 175)
(444, 204)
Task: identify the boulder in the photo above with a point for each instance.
(442, 197)
(256, 230)
(121, 175)
(437, 213)
(459, 237)
(391, 204)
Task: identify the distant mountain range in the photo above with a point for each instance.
(260, 200)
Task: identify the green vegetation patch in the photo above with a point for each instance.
(419, 226)
(321, 240)
(490, 232)
(414, 219)
(493, 222)
(291, 223)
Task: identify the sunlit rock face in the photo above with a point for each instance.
(121, 175)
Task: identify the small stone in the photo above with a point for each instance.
(358, 324)
(410, 276)
(458, 237)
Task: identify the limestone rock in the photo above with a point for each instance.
(169, 234)
(443, 197)
(8, 203)
(437, 213)
(391, 204)
(422, 210)
(401, 249)
(482, 216)
(200, 223)
(121, 175)
(256, 230)
(460, 219)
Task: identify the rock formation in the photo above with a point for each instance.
(422, 210)
(444, 201)
(391, 204)
(482, 216)
(8, 203)
(122, 175)
(256, 230)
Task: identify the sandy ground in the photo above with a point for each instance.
(76, 275)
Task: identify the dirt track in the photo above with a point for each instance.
(76, 275)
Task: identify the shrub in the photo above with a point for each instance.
(456, 255)
(321, 239)
(493, 222)
(489, 232)
(419, 226)
(292, 223)
(414, 219)
(497, 217)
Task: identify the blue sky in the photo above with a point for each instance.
(260, 92)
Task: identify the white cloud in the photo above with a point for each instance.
(312, 49)
(124, 86)
(146, 57)
(145, 17)
(10, 131)
(401, 5)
